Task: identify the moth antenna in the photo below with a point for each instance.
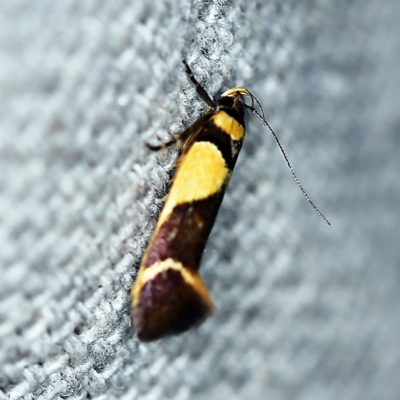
(199, 89)
(296, 179)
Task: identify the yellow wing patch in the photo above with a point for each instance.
(229, 125)
(190, 277)
(201, 173)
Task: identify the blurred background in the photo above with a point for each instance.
(304, 310)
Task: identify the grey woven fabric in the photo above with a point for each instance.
(304, 311)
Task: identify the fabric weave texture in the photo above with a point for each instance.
(304, 311)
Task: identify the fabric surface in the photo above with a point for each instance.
(304, 311)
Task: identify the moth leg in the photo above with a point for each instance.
(181, 139)
(175, 140)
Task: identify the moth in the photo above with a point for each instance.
(169, 296)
